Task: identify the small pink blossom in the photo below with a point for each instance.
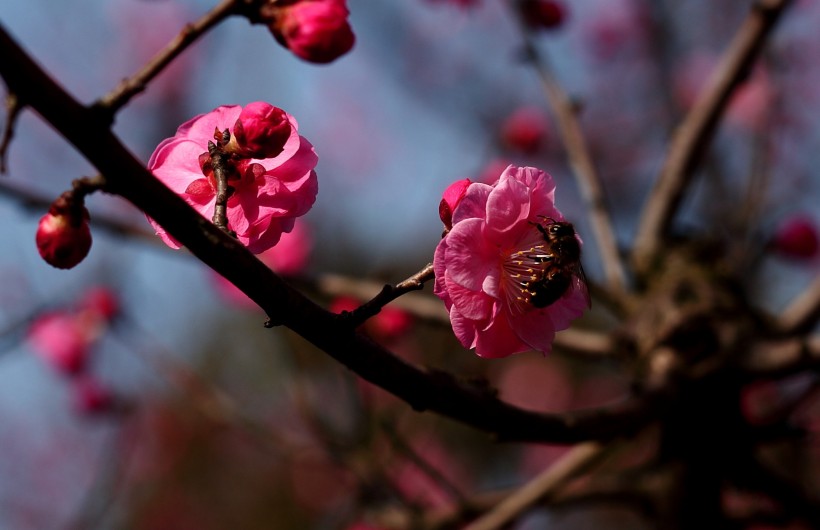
(483, 263)
(60, 339)
(525, 130)
(450, 199)
(268, 193)
(797, 237)
(101, 302)
(314, 30)
(63, 237)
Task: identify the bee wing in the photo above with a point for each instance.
(580, 283)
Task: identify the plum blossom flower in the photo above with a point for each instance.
(267, 193)
(314, 30)
(482, 264)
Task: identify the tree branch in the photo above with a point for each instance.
(423, 390)
(695, 132)
(580, 459)
(583, 168)
(109, 104)
(803, 312)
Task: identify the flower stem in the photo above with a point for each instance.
(219, 161)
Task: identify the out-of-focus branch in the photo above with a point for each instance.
(783, 358)
(583, 168)
(576, 462)
(581, 342)
(803, 312)
(695, 132)
(423, 390)
(13, 108)
(109, 104)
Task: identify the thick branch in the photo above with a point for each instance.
(695, 133)
(432, 391)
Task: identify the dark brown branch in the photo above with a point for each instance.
(389, 293)
(109, 104)
(694, 134)
(436, 392)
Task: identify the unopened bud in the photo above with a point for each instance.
(797, 238)
(450, 199)
(261, 131)
(63, 236)
(542, 14)
(314, 30)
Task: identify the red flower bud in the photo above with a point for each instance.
(63, 236)
(261, 130)
(91, 397)
(314, 30)
(542, 14)
(797, 238)
(450, 199)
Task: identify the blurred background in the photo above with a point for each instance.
(187, 413)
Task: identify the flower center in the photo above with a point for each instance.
(529, 276)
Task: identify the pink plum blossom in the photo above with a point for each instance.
(525, 130)
(480, 264)
(268, 193)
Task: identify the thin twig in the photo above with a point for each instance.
(576, 462)
(580, 342)
(783, 358)
(130, 87)
(693, 135)
(583, 168)
(387, 294)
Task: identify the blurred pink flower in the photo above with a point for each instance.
(749, 103)
(450, 199)
(90, 395)
(288, 258)
(479, 265)
(61, 340)
(269, 193)
(797, 237)
(525, 130)
(314, 30)
(543, 14)
(101, 301)
(389, 323)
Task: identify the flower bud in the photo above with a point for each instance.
(91, 397)
(542, 14)
(797, 238)
(525, 130)
(63, 236)
(59, 339)
(314, 30)
(450, 199)
(261, 131)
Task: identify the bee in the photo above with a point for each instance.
(562, 261)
